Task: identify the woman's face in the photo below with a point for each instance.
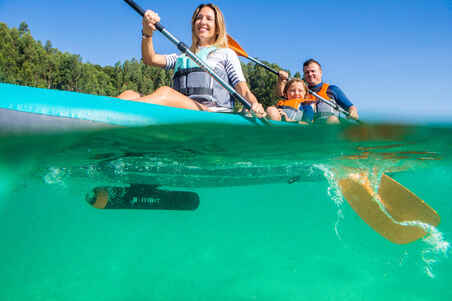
(296, 90)
(205, 26)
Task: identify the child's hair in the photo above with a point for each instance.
(291, 82)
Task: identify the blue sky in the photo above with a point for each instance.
(389, 56)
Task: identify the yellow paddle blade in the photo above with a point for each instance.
(404, 205)
(400, 204)
(101, 198)
(236, 47)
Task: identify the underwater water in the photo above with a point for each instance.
(271, 224)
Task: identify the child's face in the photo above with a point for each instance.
(296, 90)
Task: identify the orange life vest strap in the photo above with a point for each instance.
(321, 93)
(294, 103)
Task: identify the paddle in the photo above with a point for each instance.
(185, 49)
(239, 51)
(354, 190)
(395, 212)
(142, 196)
(400, 205)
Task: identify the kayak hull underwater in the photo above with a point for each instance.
(29, 110)
(150, 144)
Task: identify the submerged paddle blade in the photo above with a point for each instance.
(403, 208)
(236, 47)
(404, 205)
(142, 197)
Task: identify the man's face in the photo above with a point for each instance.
(312, 74)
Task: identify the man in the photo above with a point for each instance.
(312, 74)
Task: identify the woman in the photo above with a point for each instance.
(194, 88)
(295, 107)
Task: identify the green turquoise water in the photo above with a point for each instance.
(254, 235)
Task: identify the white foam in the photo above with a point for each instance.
(437, 248)
(56, 176)
(335, 194)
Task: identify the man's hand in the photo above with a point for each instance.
(353, 113)
(283, 75)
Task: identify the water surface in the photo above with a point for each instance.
(254, 235)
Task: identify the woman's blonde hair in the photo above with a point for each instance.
(291, 82)
(220, 28)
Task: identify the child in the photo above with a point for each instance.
(295, 108)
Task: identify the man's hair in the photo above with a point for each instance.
(311, 61)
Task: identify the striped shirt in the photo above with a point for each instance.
(221, 59)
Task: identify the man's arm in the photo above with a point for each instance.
(342, 100)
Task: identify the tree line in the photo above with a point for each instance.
(25, 61)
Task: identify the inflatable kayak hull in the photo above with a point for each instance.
(27, 109)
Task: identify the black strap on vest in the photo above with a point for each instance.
(196, 91)
(183, 72)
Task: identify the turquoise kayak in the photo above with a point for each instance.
(133, 149)
(151, 144)
(155, 144)
(27, 109)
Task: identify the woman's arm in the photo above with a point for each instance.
(237, 80)
(147, 46)
(242, 89)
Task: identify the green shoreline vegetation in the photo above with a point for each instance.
(25, 61)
